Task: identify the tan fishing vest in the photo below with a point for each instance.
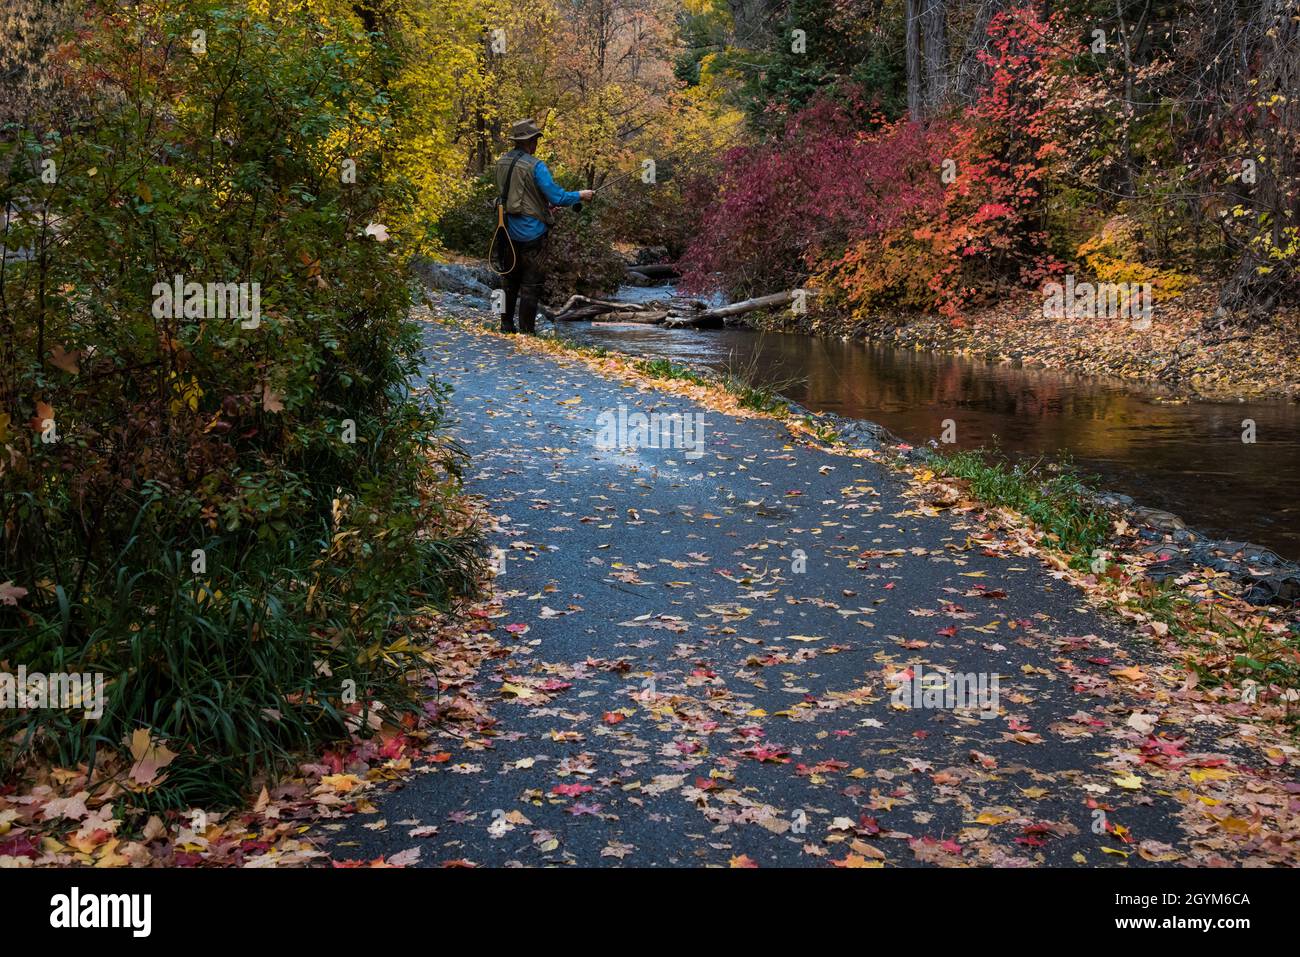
(525, 197)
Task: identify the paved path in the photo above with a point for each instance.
(685, 694)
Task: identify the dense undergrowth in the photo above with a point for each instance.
(229, 514)
(1165, 166)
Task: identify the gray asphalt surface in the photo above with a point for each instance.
(699, 697)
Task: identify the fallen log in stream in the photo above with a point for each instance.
(713, 318)
(649, 317)
(656, 271)
(578, 308)
(677, 315)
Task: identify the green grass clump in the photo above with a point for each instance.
(667, 369)
(1053, 496)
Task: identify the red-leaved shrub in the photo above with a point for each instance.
(931, 215)
(782, 207)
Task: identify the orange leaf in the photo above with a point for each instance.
(44, 413)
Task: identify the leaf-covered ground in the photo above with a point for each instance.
(1174, 351)
(663, 686)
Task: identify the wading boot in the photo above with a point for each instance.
(508, 316)
(528, 312)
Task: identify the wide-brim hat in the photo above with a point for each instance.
(522, 130)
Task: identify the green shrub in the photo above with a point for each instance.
(467, 227)
(642, 214)
(581, 258)
(234, 518)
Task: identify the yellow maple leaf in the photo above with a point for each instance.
(1234, 825)
(857, 861)
(107, 856)
(187, 394)
(341, 783)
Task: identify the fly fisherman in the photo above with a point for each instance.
(529, 194)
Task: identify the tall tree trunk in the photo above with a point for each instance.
(914, 94)
(934, 17)
(748, 19)
(1260, 281)
(971, 72)
(1132, 40)
(487, 126)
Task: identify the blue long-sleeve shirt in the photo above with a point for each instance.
(524, 228)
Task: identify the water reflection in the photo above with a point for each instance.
(1187, 458)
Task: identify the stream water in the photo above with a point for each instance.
(1184, 457)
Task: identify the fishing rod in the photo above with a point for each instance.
(501, 241)
(700, 150)
(615, 181)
